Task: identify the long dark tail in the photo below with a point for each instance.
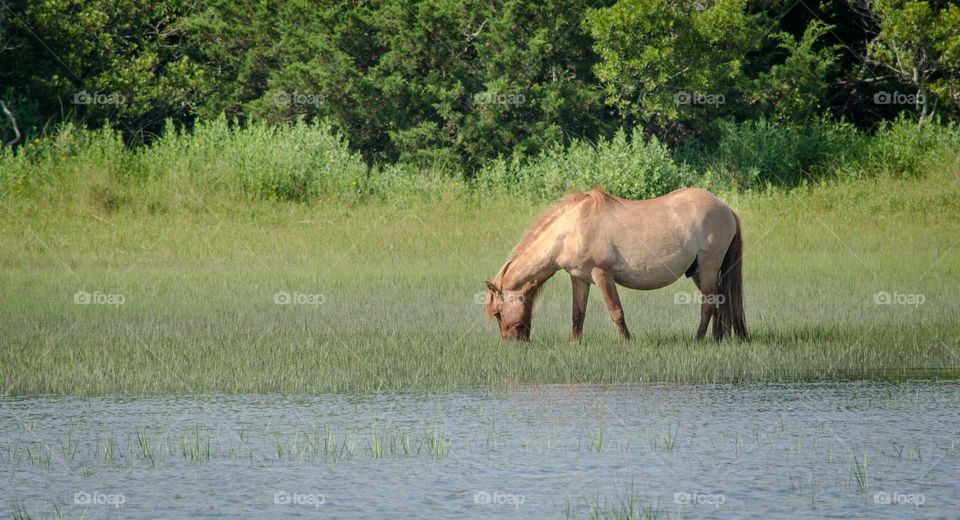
(729, 318)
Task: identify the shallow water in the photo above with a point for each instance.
(761, 451)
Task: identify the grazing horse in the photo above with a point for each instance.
(606, 240)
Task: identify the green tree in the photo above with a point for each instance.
(450, 81)
(674, 65)
(795, 89)
(122, 60)
(917, 43)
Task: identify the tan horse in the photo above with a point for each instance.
(641, 244)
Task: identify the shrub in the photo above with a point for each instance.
(54, 165)
(630, 167)
(754, 154)
(902, 148)
(217, 163)
(301, 162)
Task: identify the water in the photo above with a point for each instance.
(757, 451)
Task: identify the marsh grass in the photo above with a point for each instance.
(439, 444)
(38, 454)
(598, 445)
(68, 448)
(107, 449)
(398, 286)
(667, 440)
(22, 513)
(143, 441)
(630, 506)
(196, 447)
(376, 444)
(860, 472)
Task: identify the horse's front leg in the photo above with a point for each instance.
(581, 291)
(608, 288)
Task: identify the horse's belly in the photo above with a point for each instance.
(647, 270)
(653, 277)
(641, 257)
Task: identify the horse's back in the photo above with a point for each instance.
(650, 243)
(688, 208)
(699, 200)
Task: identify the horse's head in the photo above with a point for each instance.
(512, 309)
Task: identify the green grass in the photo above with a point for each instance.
(628, 505)
(398, 285)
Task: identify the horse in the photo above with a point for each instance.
(605, 240)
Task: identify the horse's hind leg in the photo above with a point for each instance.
(581, 291)
(706, 281)
(608, 288)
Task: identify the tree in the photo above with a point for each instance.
(448, 81)
(118, 60)
(674, 65)
(917, 43)
(795, 89)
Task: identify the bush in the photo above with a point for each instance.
(217, 163)
(300, 162)
(902, 148)
(633, 168)
(394, 182)
(52, 166)
(754, 154)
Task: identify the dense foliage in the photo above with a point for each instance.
(481, 88)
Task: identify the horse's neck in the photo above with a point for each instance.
(536, 264)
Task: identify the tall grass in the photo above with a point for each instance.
(213, 164)
(759, 154)
(632, 167)
(901, 148)
(755, 154)
(217, 164)
(400, 286)
(201, 231)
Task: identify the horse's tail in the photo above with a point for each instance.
(730, 313)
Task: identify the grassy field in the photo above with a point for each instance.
(385, 297)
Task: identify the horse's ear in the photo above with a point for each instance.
(490, 299)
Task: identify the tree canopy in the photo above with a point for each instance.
(461, 82)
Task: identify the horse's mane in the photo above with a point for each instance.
(598, 198)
